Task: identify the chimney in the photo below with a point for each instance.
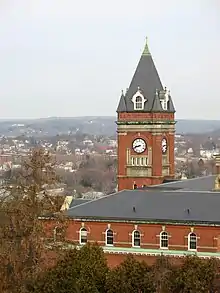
(217, 172)
(217, 164)
(66, 204)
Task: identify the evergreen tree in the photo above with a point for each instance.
(83, 271)
(196, 275)
(130, 276)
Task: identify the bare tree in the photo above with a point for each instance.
(23, 200)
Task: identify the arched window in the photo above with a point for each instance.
(163, 240)
(58, 234)
(136, 238)
(135, 186)
(138, 103)
(109, 237)
(192, 241)
(83, 236)
(163, 104)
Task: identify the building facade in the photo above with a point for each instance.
(169, 221)
(146, 217)
(145, 127)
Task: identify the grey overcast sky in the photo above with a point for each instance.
(72, 58)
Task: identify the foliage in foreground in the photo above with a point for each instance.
(83, 270)
(23, 199)
(86, 271)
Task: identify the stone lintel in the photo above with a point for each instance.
(150, 128)
(147, 177)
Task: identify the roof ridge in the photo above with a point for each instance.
(179, 181)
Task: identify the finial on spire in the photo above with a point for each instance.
(146, 49)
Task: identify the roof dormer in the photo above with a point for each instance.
(164, 99)
(147, 80)
(138, 100)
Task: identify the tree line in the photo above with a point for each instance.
(85, 270)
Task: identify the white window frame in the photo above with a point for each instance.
(139, 161)
(80, 235)
(106, 237)
(134, 100)
(132, 161)
(138, 103)
(161, 239)
(164, 101)
(133, 238)
(189, 241)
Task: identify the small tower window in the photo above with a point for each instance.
(163, 104)
(138, 100)
(139, 103)
(164, 100)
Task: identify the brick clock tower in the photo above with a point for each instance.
(146, 128)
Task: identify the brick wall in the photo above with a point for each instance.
(144, 116)
(125, 139)
(207, 237)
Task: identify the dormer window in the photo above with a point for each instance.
(138, 101)
(164, 99)
(163, 104)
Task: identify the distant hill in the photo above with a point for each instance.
(197, 126)
(92, 125)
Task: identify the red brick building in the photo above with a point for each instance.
(148, 217)
(173, 219)
(145, 127)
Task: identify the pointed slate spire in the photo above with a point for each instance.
(122, 104)
(146, 79)
(157, 104)
(146, 51)
(171, 107)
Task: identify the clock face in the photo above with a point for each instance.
(139, 145)
(164, 145)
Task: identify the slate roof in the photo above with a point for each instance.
(154, 206)
(156, 107)
(146, 78)
(205, 183)
(78, 201)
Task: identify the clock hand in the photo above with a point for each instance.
(137, 146)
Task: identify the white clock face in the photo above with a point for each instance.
(164, 145)
(139, 145)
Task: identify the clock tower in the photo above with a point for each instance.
(146, 128)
